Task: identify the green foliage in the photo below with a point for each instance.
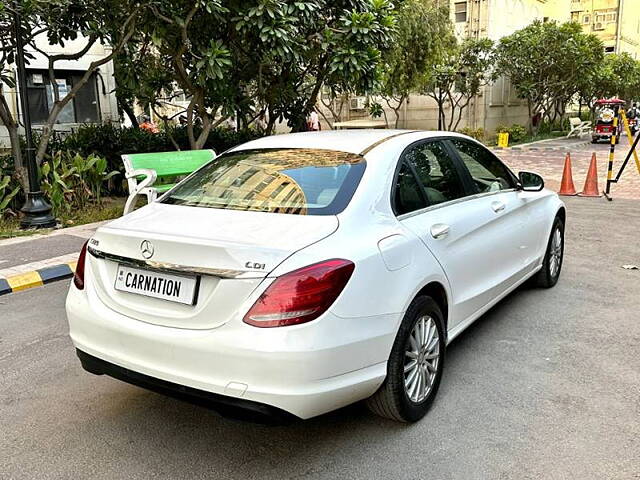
(547, 62)
(516, 132)
(239, 58)
(477, 133)
(72, 182)
(11, 195)
(376, 110)
(617, 76)
(7, 193)
(423, 36)
(110, 141)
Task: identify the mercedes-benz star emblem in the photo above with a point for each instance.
(146, 247)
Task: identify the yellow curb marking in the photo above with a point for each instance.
(24, 281)
(72, 266)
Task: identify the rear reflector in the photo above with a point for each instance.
(78, 277)
(300, 296)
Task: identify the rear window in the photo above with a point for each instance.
(296, 181)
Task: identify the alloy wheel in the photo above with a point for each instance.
(555, 257)
(422, 357)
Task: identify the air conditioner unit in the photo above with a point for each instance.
(358, 103)
(598, 26)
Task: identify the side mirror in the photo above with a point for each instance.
(530, 182)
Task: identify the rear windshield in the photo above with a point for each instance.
(293, 180)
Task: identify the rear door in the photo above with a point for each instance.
(467, 233)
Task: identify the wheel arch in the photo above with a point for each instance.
(562, 214)
(437, 291)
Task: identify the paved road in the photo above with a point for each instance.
(545, 386)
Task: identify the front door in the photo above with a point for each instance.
(475, 237)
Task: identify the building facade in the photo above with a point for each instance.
(615, 22)
(95, 102)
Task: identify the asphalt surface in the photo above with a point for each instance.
(544, 386)
(38, 249)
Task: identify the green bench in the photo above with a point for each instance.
(152, 174)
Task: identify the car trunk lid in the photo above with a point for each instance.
(229, 252)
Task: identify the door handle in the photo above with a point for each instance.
(498, 206)
(439, 230)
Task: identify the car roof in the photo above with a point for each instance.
(351, 141)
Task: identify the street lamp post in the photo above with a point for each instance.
(37, 212)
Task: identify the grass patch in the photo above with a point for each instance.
(110, 208)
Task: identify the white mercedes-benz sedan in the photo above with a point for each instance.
(296, 274)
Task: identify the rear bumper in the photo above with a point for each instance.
(258, 411)
(304, 370)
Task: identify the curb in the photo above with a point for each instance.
(535, 146)
(37, 278)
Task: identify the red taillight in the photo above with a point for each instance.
(300, 296)
(78, 277)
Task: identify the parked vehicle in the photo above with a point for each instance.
(606, 110)
(296, 274)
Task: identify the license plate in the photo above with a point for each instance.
(166, 286)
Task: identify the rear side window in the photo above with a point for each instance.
(295, 181)
(436, 171)
(408, 195)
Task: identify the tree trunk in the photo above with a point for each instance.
(270, 124)
(18, 162)
(14, 139)
(128, 110)
(127, 30)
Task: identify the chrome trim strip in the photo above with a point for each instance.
(453, 202)
(380, 142)
(165, 267)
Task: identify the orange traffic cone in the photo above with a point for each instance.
(566, 185)
(591, 184)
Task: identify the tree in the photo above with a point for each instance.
(336, 44)
(7, 57)
(617, 75)
(460, 75)
(245, 58)
(111, 22)
(140, 77)
(423, 35)
(546, 62)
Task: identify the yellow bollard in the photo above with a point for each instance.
(503, 139)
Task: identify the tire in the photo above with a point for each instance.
(393, 399)
(548, 276)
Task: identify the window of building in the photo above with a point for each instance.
(83, 108)
(497, 92)
(461, 11)
(586, 19)
(513, 92)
